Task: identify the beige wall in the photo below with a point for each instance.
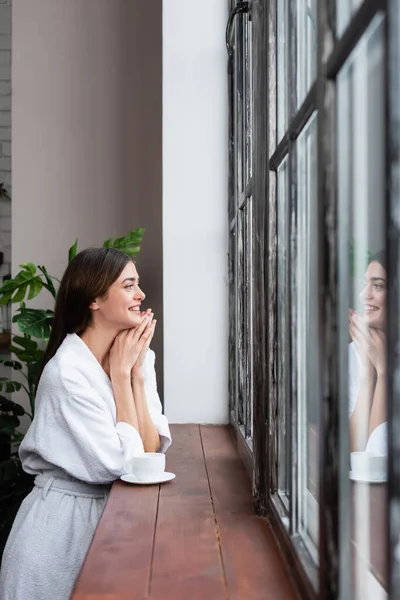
(86, 131)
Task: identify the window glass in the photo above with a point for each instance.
(306, 15)
(238, 82)
(363, 288)
(248, 100)
(306, 321)
(344, 11)
(283, 330)
(282, 70)
(241, 319)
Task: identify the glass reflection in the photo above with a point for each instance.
(307, 338)
(282, 70)
(363, 289)
(283, 349)
(344, 11)
(367, 363)
(306, 47)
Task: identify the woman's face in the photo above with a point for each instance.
(374, 295)
(120, 308)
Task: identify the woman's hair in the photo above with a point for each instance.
(87, 277)
(379, 257)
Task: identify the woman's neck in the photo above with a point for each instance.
(99, 343)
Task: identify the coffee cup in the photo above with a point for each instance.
(148, 466)
(368, 465)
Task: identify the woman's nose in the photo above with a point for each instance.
(140, 295)
(366, 292)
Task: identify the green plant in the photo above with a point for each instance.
(28, 346)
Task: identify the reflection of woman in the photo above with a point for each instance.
(367, 363)
(96, 407)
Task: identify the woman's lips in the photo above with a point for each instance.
(369, 308)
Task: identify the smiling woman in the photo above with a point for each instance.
(97, 407)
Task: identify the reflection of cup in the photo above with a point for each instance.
(149, 465)
(368, 465)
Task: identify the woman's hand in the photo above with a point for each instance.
(360, 336)
(128, 347)
(370, 343)
(150, 328)
(377, 350)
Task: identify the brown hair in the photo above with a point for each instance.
(87, 277)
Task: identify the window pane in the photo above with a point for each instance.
(232, 325)
(283, 352)
(248, 92)
(282, 71)
(248, 317)
(239, 104)
(363, 289)
(306, 15)
(307, 338)
(241, 312)
(344, 10)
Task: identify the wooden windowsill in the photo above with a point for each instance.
(194, 538)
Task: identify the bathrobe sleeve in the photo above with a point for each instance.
(153, 401)
(74, 429)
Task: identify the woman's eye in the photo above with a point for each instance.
(128, 287)
(379, 287)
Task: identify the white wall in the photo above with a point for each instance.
(195, 221)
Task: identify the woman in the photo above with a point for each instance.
(96, 407)
(367, 363)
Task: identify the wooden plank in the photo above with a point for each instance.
(253, 565)
(186, 555)
(119, 557)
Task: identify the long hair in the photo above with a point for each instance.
(87, 277)
(379, 257)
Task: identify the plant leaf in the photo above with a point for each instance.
(20, 293)
(10, 406)
(130, 243)
(9, 385)
(14, 290)
(7, 362)
(25, 342)
(72, 251)
(29, 267)
(35, 288)
(49, 285)
(34, 322)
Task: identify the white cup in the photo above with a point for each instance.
(368, 465)
(148, 466)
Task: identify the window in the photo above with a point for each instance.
(239, 35)
(363, 285)
(315, 325)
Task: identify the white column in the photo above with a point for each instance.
(195, 220)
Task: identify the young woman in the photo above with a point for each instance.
(367, 363)
(96, 407)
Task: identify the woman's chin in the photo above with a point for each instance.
(373, 321)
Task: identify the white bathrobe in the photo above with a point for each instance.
(76, 449)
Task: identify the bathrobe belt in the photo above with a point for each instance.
(70, 487)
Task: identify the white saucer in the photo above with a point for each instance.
(355, 477)
(131, 478)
